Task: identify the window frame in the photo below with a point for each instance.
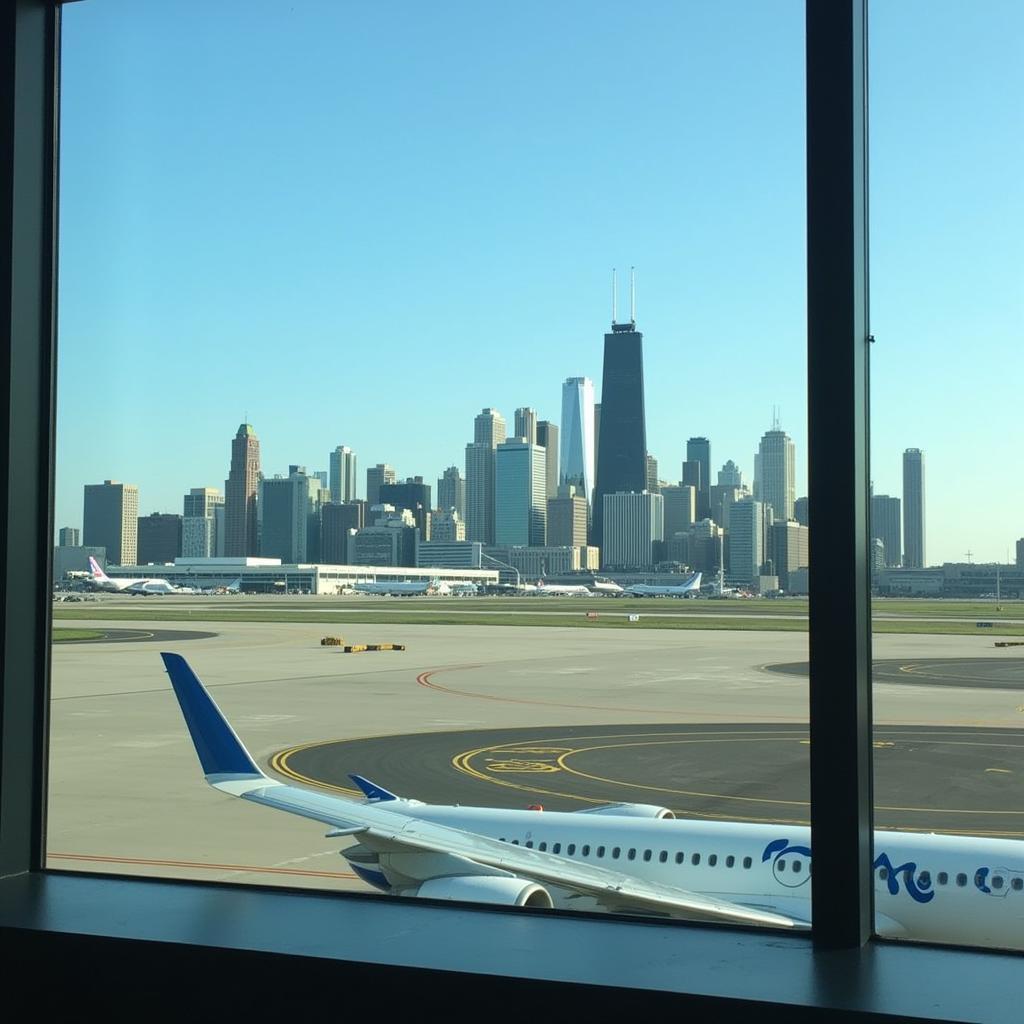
(841, 968)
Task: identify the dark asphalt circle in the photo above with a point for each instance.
(1000, 673)
(120, 636)
(954, 779)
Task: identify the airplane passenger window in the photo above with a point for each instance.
(631, 855)
(961, 879)
(542, 846)
(924, 879)
(942, 878)
(615, 853)
(997, 881)
(680, 857)
(712, 860)
(600, 851)
(1018, 884)
(747, 862)
(695, 859)
(730, 861)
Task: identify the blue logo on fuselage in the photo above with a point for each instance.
(918, 889)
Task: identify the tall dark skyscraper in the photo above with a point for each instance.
(698, 449)
(240, 528)
(622, 446)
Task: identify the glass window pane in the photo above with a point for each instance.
(947, 223)
(433, 384)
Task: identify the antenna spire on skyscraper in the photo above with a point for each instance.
(613, 296)
(632, 295)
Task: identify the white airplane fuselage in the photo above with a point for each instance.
(928, 887)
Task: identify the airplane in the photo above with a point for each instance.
(608, 587)
(396, 589)
(563, 589)
(147, 585)
(689, 586)
(622, 857)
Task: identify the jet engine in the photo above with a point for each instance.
(508, 892)
(631, 811)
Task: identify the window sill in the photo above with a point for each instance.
(584, 959)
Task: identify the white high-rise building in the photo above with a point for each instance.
(775, 473)
(749, 520)
(343, 474)
(578, 463)
(199, 522)
(633, 521)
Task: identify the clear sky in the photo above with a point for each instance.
(361, 223)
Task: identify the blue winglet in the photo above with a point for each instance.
(371, 791)
(220, 750)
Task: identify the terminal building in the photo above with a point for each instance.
(271, 576)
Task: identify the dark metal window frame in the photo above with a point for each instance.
(842, 970)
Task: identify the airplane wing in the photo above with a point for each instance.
(429, 850)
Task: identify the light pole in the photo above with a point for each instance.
(498, 561)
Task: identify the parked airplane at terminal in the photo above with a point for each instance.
(146, 585)
(563, 590)
(396, 589)
(691, 585)
(632, 858)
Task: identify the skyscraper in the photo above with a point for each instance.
(110, 520)
(578, 419)
(913, 509)
(451, 491)
(240, 525)
(749, 521)
(698, 449)
(680, 509)
(289, 516)
(382, 473)
(343, 475)
(730, 475)
(632, 529)
(567, 518)
(622, 450)
(651, 474)
(526, 424)
(70, 537)
(520, 493)
(1020, 553)
(413, 495)
(547, 438)
(488, 433)
(199, 522)
(885, 526)
(159, 538)
(775, 473)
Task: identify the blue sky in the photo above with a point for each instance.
(361, 223)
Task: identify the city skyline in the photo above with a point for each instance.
(225, 302)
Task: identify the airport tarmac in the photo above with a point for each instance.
(127, 795)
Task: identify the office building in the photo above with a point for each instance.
(289, 517)
(622, 450)
(698, 449)
(705, 545)
(801, 511)
(567, 518)
(336, 522)
(343, 475)
(730, 475)
(722, 496)
(445, 554)
(1020, 553)
(392, 540)
(520, 493)
(159, 538)
(748, 540)
(597, 445)
(451, 491)
(110, 520)
(547, 438)
(578, 438)
(413, 495)
(775, 473)
(651, 474)
(69, 537)
(241, 536)
(680, 506)
(691, 471)
(199, 522)
(446, 525)
(633, 530)
(526, 424)
(376, 476)
(790, 550)
(886, 526)
(913, 509)
(488, 433)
